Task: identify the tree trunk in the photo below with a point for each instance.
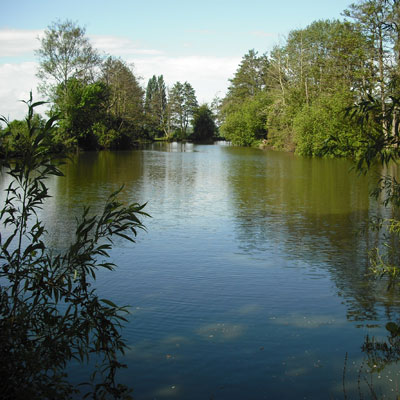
(382, 80)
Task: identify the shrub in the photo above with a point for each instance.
(49, 314)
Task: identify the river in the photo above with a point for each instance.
(252, 278)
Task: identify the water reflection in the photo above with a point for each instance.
(174, 147)
(89, 180)
(253, 262)
(322, 209)
(313, 210)
(382, 352)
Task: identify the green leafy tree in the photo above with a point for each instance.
(83, 106)
(49, 313)
(324, 118)
(204, 128)
(125, 103)
(278, 75)
(247, 123)
(215, 108)
(183, 104)
(13, 139)
(250, 78)
(156, 106)
(65, 53)
(380, 22)
(372, 17)
(329, 68)
(67, 58)
(325, 58)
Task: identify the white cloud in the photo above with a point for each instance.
(15, 42)
(208, 75)
(19, 42)
(119, 46)
(17, 81)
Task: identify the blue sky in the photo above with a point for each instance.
(198, 41)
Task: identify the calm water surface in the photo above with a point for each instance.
(250, 282)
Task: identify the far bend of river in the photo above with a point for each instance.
(251, 281)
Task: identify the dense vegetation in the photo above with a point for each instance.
(357, 114)
(298, 97)
(50, 315)
(292, 98)
(295, 97)
(99, 101)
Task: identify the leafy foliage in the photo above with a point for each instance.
(14, 138)
(124, 114)
(325, 118)
(317, 68)
(156, 106)
(65, 53)
(49, 314)
(82, 107)
(183, 104)
(204, 128)
(250, 77)
(246, 123)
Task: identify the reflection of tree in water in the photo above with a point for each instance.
(89, 179)
(92, 176)
(318, 212)
(315, 211)
(383, 352)
(378, 373)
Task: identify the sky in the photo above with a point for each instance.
(201, 42)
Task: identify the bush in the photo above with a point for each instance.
(246, 122)
(204, 128)
(323, 119)
(49, 315)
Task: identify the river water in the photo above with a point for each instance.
(252, 279)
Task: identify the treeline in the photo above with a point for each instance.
(100, 103)
(296, 96)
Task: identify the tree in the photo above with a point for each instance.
(156, 105)
(126, 95)
(81, 107)
(277, 73)
(372, 16)
(125, 105)
(325, 58)
(250, 78)
(65, 53)
(246, 124)
(49, 314)
(183, 103)
(314, 124)
(204, 128)
(13, 139)
(215, 108)
(107, 113)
